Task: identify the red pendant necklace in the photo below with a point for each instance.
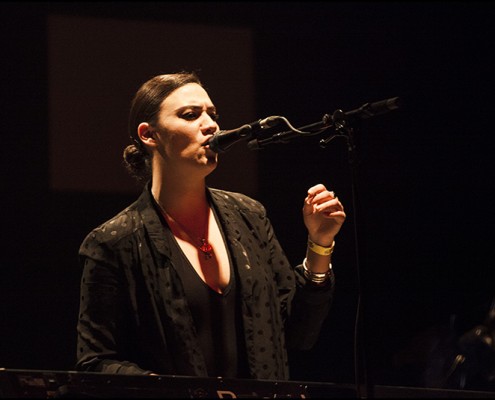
(204, 246)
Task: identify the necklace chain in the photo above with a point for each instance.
(204, 247)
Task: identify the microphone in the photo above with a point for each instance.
(221, 141)
(370, 110)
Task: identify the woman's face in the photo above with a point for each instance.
(186, 121)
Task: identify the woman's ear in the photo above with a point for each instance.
(146, 134)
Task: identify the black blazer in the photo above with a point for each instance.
(134, 316)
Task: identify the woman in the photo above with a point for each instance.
(191, 280)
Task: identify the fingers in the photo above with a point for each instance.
(319, 194)
(324, 201)
(312, 191)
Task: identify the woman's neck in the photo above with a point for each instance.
(185, 200)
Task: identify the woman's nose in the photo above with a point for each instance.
(209, 125)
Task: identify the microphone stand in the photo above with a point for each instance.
(364, 386)
(341, 120)
(341, 123)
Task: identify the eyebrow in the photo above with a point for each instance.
(211, 108)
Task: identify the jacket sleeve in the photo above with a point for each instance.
(304, 305)
(310, 307)
(101, 328)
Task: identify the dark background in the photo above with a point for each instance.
(424, 181)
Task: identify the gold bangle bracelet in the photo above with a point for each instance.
(321, 250)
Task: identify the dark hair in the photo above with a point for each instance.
(145, 107)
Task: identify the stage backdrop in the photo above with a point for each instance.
(95, 67)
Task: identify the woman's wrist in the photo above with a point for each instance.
(319, 249)
(318, 278)
(318, 258)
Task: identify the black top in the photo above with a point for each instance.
(217, 319)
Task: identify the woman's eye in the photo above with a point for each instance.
(190, 115)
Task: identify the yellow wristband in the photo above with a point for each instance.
(321, 250)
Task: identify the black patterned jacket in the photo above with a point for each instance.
(134, 317)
